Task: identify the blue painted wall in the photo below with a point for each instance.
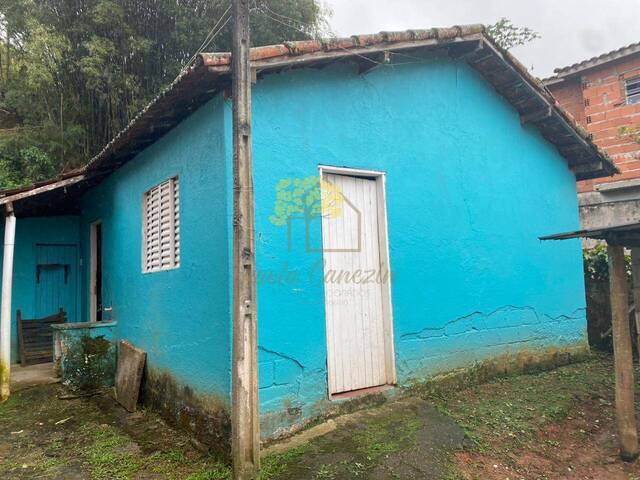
(29, 233)
(469, 190)
(180, 317)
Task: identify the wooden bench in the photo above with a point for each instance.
(35, 337)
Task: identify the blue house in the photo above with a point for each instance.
(401, 183)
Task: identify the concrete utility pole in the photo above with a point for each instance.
(623, 357)
(5, 308)
(245, 416)
(635, 270)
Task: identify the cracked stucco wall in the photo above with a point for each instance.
(469, 190)
(480, 335)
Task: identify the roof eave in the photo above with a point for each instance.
(626, 234)
(211, 74)
(595, 62)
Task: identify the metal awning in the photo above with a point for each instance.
(626, 234)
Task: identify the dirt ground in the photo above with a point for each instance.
(552, 425)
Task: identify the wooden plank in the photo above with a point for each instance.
(129, 375)
(623, 358)
(43, 189)
(35, 337)
(39, 342)
(536, 115)
(20, 337)
(39, 354)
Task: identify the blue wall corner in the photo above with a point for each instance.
(180, 317)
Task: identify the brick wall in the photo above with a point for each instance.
(596, 99)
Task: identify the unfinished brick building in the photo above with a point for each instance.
(603, 94)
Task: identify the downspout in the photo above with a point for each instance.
(5, 306)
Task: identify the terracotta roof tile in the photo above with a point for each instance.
(211, 75)
(596, 61)
(346, 43)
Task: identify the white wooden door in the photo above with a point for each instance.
(357, 350)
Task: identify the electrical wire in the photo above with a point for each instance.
(213, 33)
(262, 9)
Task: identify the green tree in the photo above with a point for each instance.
(508, 35)
(74, 73)
(596, 263)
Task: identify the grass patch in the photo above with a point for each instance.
(218, 472)
(93, 443)
(387, 435)
(274, 465)
(353, 451)
(110, 455)
(505, 414)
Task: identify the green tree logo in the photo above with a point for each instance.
(305, 199)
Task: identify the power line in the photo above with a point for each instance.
(269, 13)
(213, 33)
(262, 9)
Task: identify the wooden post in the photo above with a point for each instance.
(635, 269)
(245, 415)
(625, 407)
(5, 307)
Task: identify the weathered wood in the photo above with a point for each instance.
(536, 116)
(20, 337)
(35, 337)
(245, 415)
(129, 375)
(635, 270)
(43, 189)
(625, 408)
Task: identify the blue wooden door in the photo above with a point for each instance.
(56, 280)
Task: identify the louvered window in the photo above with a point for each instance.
(161, 229)
(632, 89)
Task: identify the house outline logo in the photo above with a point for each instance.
(307, 200)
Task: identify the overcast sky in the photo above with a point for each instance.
(572, 30)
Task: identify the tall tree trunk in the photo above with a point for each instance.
(8, 59)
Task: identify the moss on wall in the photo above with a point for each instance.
(4, 381)
(206, 416)
(88, 363)
(524, 362)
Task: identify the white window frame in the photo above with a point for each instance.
(634, 98)
(173, 213)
